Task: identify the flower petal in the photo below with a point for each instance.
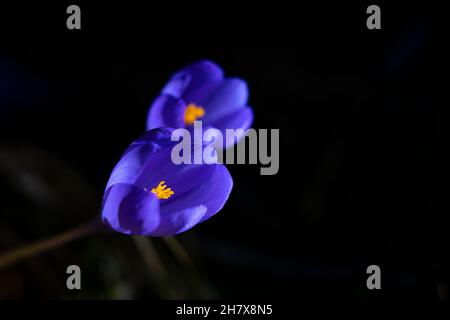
(200, 192)
(212, 193)
(180, 178)
(130, 210)
(230, 95)
(166, 111)
(238, 119)
(134, 158)
(194, 81)
(179, 221)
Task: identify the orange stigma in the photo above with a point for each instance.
(192, 113)
(161, 191)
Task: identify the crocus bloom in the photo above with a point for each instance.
(149, 195)
(200, 92)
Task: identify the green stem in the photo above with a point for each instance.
(42, 246)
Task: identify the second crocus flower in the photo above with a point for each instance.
(201, 92)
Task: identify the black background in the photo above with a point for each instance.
(363, 118)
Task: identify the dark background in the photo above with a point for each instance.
(363, 118)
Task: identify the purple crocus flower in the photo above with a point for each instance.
(149, 195)
(200, 92)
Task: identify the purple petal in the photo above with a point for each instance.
(181, 178)
(229, 96)
(186, 178)
(195, 81)
(166, 111)
(195, 206)
(159, 137)
(199, 192)
(134, 158)
(212, 193)
(239, 119)
(179, 221)
(130, 210)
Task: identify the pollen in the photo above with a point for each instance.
(161, 191)
(192, 113)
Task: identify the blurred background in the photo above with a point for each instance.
(364, 125)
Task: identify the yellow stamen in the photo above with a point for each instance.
(192, 113)
(162, 192)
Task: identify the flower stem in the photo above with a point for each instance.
(42, 246)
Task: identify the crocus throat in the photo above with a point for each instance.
(193, 112)
(161, 191)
